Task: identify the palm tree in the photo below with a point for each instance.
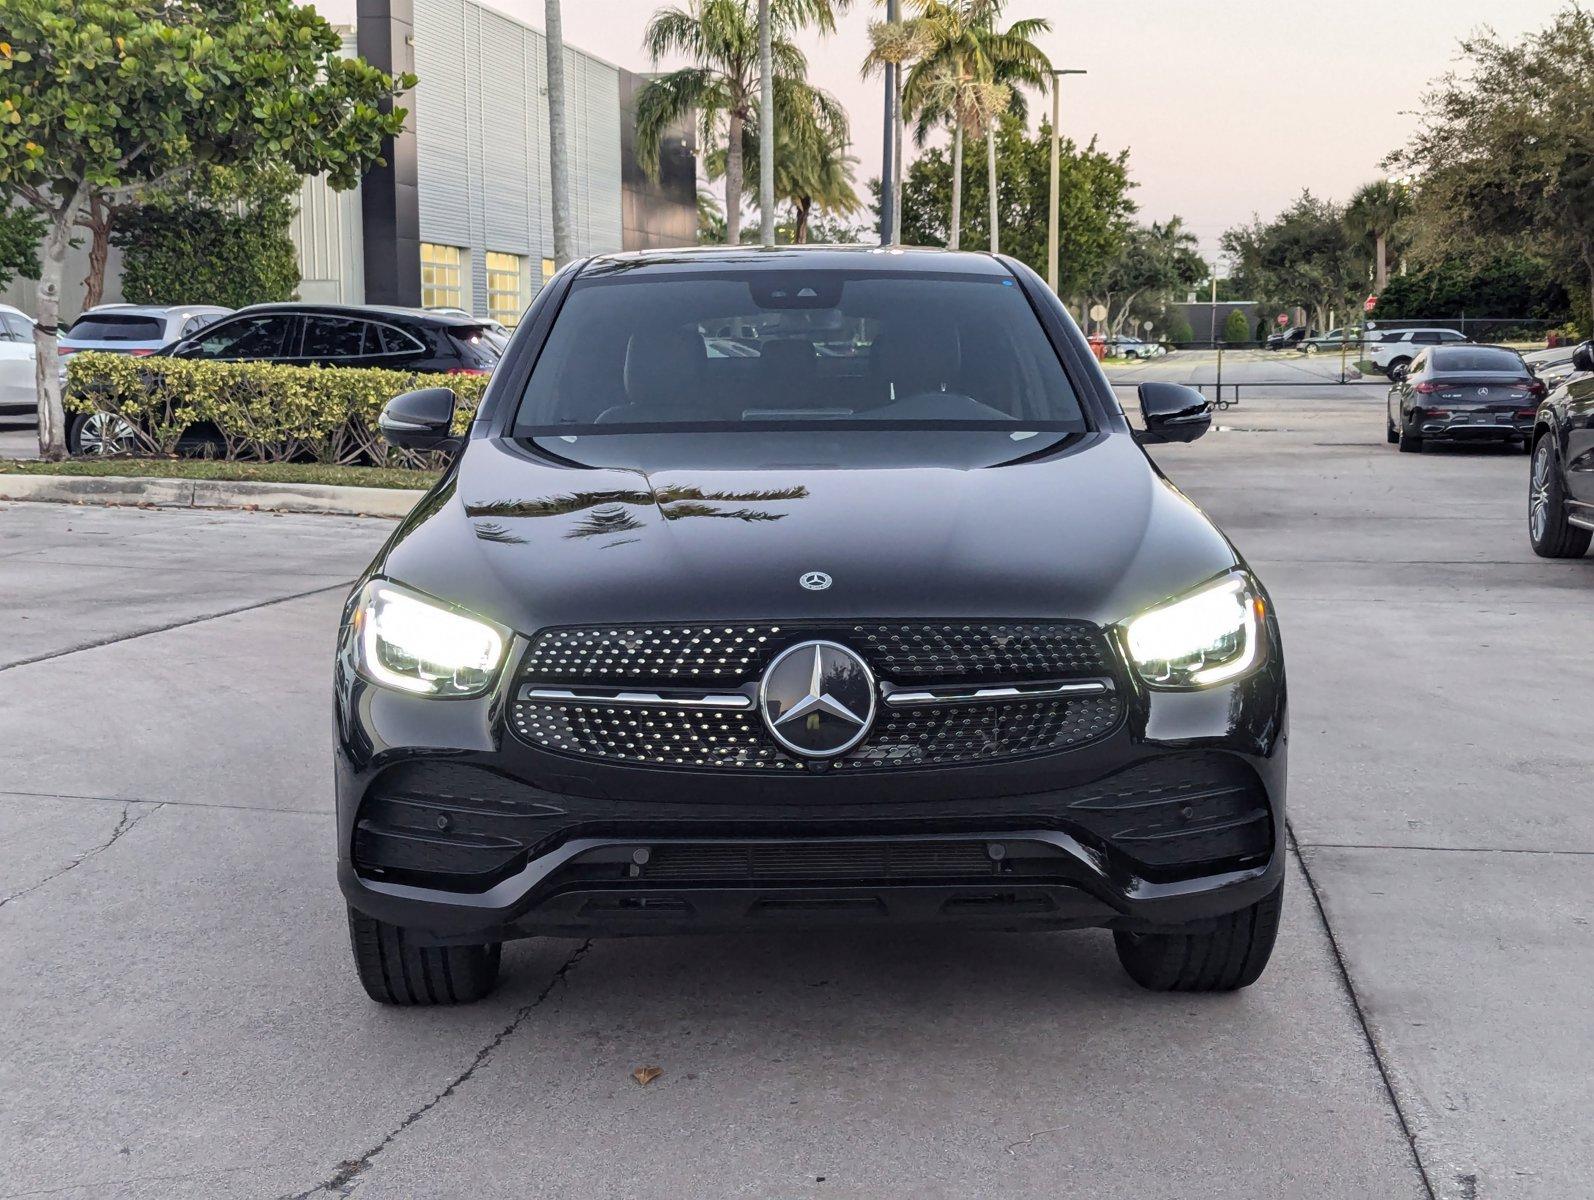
(1375, 214)
(968, 76)
(895, 44)
(558, 144)
(721, 37)
(812, 169)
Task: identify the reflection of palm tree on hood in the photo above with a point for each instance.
(690, 501)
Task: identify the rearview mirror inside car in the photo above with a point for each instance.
(420, 420)
(1173, 413)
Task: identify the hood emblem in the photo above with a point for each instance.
(817, 699)
(814, 581)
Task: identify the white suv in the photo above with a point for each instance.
(1391, 351)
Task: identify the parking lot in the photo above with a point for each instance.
(182, 1018)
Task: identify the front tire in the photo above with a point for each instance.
(1227, 956)
(1391, 434)
(1551, 534)
(393, 970)
(1399, 368)
(1410, 443)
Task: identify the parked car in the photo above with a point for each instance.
(1391, 351)
(1287, 339)
(18, 389)
(328, 335)
(1133, 347)
(1561, 486)
(498, 328)
(683, 643)
(134, 328)
(1463, 394)
(1333, 341)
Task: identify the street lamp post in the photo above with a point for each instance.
(1051, 216)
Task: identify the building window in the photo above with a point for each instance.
(505, 293)
(442, 276)
(548, 269)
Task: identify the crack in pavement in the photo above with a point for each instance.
(349, 1168)
(215, 616)
(1361, 1017)
(122, 826)
(254, 808)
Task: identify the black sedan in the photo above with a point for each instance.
(916, 634)
(1561, 491)
(1463, 394)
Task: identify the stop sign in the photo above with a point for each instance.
(1370, 303)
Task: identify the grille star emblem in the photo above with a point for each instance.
(817, 699)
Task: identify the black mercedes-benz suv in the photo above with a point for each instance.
(1561, 482)
(889, 618)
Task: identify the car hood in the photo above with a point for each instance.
(1092, 531)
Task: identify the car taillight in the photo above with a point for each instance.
(1538, 387)
(468, 371)
(1427, 386)
(1524, 413)
(1436, 412)
(141, 351)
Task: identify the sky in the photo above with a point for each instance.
(1227, 107)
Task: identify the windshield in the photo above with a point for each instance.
(794, 351)
(102, 327)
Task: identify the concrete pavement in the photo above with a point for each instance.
(183, 1019)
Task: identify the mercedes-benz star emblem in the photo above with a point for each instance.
(814, 581)
(817, 699)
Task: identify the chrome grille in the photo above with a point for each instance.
(608, 669)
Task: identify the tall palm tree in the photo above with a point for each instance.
(812, 170)
(558, 143)
(1375, 214)
(722, 87)
(970, 65)
(895, 44)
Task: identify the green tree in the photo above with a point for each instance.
(1377, 214)
(20, 232)
(813, 171)
(721, 88)
(1154, 261)
(221, 240)
(1094, 201)
(104, 97)
(1503, 281)
(1236, 329)
(1305, 256)
(1506, 149)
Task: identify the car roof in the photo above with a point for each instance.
(11, 308)
(1473, 348)
(706, 259)
(366, 312)
(152, 310)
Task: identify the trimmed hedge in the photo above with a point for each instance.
(257, 412)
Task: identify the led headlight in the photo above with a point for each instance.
(405, 641)
(1198, 640)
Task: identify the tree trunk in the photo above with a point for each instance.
(990, 166)
(1381, 276)
(804, 207)
(957, 186)
(100, 218)
(47, 368)
(733, 178)
(766, 128)
(558, 140)
(896, 155)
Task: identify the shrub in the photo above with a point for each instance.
(263, 412)
(188, 253)
(1178, 331)
(1236, 329)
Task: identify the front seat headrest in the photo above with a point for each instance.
(664, 367)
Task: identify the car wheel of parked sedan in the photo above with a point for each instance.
(1410, 443)
(1398, 369)
(1552, 535)
(394, 971)
(100, 433)
(1226, 955)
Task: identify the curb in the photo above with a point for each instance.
(209, 493)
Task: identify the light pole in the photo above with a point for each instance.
(889, 163)
(1051, 216)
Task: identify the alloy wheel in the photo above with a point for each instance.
(1539, 492)
(106, 433)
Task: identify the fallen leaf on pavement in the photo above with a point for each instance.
(646, 1075)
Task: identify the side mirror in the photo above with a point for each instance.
(1583, 357)
(420, 420)
(1173, 413)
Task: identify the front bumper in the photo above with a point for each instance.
(461, 832)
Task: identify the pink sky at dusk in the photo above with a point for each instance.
(1226, 107)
